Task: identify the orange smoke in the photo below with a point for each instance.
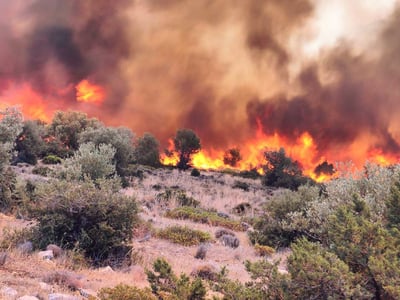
(32, 104)
(89, 92)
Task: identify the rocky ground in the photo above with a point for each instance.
(26, 273)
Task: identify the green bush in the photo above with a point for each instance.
(181, 199)
(203, 216)
(93, 218)
(125, 292)
(52, 160)
(166, 285)
(195, 172)
(184, 235)
(147, 151)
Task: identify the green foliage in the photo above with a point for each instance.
(52, 160)
(125, 292)
(147, 151)
(281, 171)
(184, 235)
(286, 218)
(186, 144)
(29, 143)
(93, 218)
(393, 206)
(94, 162)
(166, 285)
(10, 127)
(195, 172)
(232, 157)
(66, 127)
(203, 216)
(318, 273)
(120, 138)
(8, 182)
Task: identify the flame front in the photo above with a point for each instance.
(89, 92)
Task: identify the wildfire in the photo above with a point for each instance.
(89, 92)
(302, 150)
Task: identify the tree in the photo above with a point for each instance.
(66, 127)
(186, 143)
(29, 143)
(147, 151)
(232, 157)
(282, 171)
(10, 127)
(121, 138)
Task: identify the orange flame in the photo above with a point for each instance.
(303, 150)
(89, 92)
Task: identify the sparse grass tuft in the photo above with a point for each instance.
(184, 235)
(127, 292)
(203, 216)
(263, 250)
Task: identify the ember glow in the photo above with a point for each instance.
(318, 78)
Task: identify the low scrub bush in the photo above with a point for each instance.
(176, 196)
(262, 250)
(203, 216)
(229, 241)
(241, 185)
(51, 160)
(95, 219)
(42, 171)
(166, 285)
(125, 292)
(184, 235)
(195, 172)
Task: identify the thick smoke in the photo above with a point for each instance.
(219, 67)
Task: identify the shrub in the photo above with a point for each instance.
(201, 252)
(241, 185)
(42, 171)
(195, 172)
(95, 219)
(263, 250)
(229, 241)
(281, 171)
(52, 160)
(206, 272)
(221, 232)
(94, 162)
(165, 198)
(184, 235)
(232, 157)
(29, 143)
(203, 216)
(125, 292)
(121, 139)
(166, 285)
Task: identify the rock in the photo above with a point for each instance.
(107, 269)
(87, 293)
(57, 251)
(8, 293)
(44, 286)
(62, 297)
(229, 241)
(245, 225)
(47, 254)
(3, 258)
(28, 298)
(223, 215)
(25, 248)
